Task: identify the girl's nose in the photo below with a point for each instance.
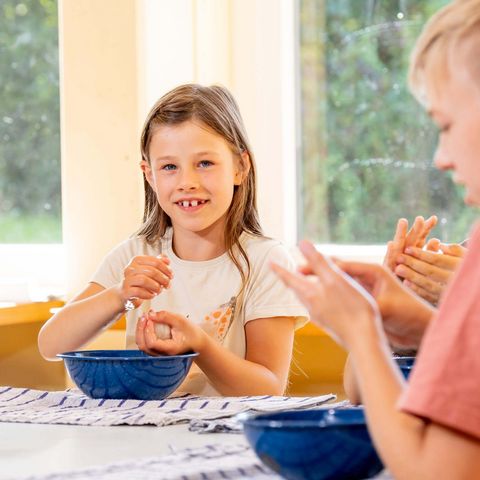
(188, 181)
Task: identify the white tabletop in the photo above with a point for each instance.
(27, 449)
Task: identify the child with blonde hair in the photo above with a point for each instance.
(196, 275)
(429, 429)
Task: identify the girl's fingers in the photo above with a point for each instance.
(428, 225)
(305, 270)
(401, 232)
(453, 249)
(415, 232)
(319, 264)
(129, 292)
(168, 318)
(396, 246)
(389, 260)
(139, 333)
(426, 268)
(433, 245)
(140, 280)
(418, 279)
(149, 272)
(421, 292)
(159, 263)
(437, 261)
(298, 284)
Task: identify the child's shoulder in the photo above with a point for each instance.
(265, 249)
(133, 246)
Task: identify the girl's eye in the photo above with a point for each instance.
(205, 163)
(169, 166)
(444, 128)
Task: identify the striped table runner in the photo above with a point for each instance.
(72, 407)
(212, 462)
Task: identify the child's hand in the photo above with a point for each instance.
(427, 272)
(404, 238)
(144, 278)
(185, 335)
(336, 300)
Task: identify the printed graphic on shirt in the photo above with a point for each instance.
(217, 323)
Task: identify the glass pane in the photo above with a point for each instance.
(367, 144)
(30, 202)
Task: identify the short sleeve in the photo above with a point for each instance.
(110, 270)
(444, 386)
(266, 295)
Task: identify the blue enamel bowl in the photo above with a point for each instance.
(314, 444)
(405, 364)
(127, 374)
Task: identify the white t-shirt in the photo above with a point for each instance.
(207, 292)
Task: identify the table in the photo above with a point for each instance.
(27, 449)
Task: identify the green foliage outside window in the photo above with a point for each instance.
(367, 146)
(30, 202)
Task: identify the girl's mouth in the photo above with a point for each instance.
(191, 205)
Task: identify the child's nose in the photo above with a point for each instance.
(188, 181)
(442, 160)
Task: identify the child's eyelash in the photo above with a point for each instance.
(208, 162)
(169, 166)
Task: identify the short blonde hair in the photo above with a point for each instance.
(455, 25)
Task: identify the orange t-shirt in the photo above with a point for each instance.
(444, 386)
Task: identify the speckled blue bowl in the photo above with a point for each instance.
(314, 444)
(405, 364)
(130, 374)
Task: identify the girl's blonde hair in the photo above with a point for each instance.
(216, 108)
(455, 25)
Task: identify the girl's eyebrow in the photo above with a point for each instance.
(206, 152)
(169, 158)
(165, 158)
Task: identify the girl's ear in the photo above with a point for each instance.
(147, 170)
(243, 168)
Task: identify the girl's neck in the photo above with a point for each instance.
(199, 246)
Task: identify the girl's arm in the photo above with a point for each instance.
(350, 384)
(96, 307)
(79, 321)
(264, 371)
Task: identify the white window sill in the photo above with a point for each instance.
(357, 253)
(36, 272)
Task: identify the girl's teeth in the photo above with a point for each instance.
(185, 204)
(194, 203)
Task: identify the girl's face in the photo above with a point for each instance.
(456, 110)
(193, 173)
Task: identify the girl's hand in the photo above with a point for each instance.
(405, 316)
(404, 238)
(338, 302)
(185, 335)
(144, 278)
(335, 301)
(427, 272)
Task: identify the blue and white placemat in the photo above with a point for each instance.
(212, 462)
(72, 407)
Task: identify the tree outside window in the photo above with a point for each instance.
(30, 196)
(367, 146)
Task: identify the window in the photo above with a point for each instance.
(367, 146)
(30, 203)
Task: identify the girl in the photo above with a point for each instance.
(430, 429)
(196, 274)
